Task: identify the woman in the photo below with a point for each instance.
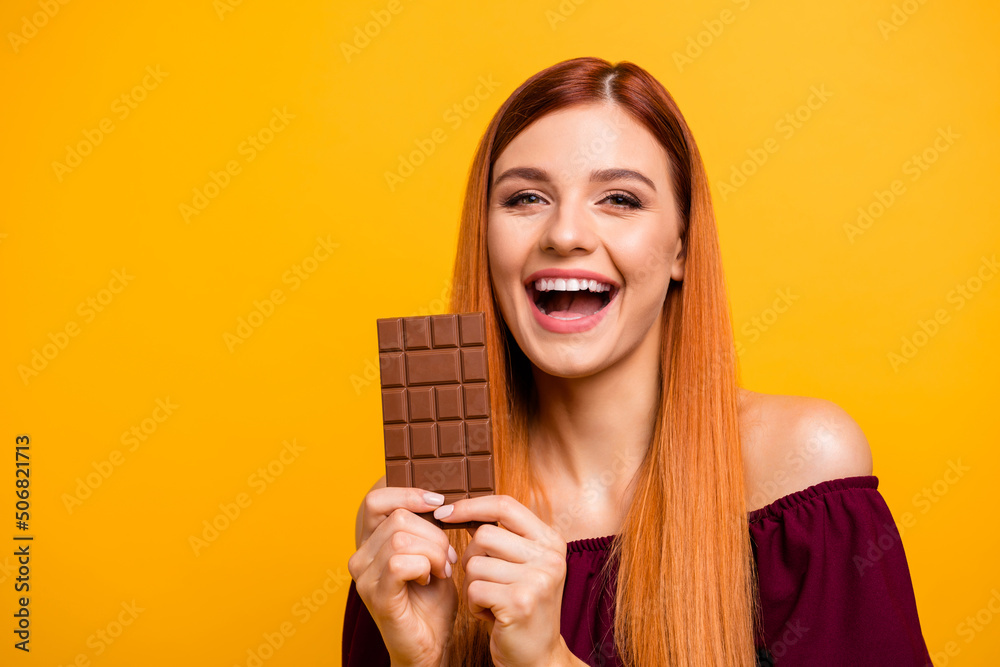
(650, 511)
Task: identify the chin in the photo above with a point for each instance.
(566, 362)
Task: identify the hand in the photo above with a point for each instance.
(398, 553)
(514, 578)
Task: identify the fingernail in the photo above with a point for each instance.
(433, 498)
(444, 511)
(447, 569)
(452, 554)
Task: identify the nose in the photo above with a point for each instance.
(569, 231)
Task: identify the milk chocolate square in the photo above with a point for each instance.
(436, 406)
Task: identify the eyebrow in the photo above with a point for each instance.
(598, 176)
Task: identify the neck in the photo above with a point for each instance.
(589, 426)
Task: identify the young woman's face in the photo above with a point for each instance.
(583, 238)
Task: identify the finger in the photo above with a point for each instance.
(508, 511)
(401, 568)
(492, 569)
(415, 544)
(380, 503)
(501, 543)
(484, 596)
(402, 526)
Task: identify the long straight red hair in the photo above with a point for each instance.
(685, 590)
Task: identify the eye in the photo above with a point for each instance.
(623, 200)
(521, 198)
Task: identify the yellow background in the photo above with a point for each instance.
(304, 375)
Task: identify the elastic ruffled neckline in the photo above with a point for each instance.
(590, 544)
(793, 500)
(772, 510)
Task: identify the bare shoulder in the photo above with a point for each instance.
(793, 442)
(380, 483)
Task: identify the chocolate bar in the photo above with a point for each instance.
(436, 406)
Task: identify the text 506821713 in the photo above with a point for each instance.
(22, 550)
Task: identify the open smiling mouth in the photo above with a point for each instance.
(570, 298)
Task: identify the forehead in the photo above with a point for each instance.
(572, 142)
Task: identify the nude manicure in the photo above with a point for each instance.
(433, 498)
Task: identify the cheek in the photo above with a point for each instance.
(495, 259)
(503, 265)
(502, 251)
(648, 263)
(494, 242)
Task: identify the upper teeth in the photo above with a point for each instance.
(570, 285)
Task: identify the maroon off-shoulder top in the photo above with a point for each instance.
(834, 587)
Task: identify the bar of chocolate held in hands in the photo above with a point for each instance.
(436, 406)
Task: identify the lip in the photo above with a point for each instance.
(569, 326)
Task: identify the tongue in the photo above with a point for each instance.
(572, 305)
